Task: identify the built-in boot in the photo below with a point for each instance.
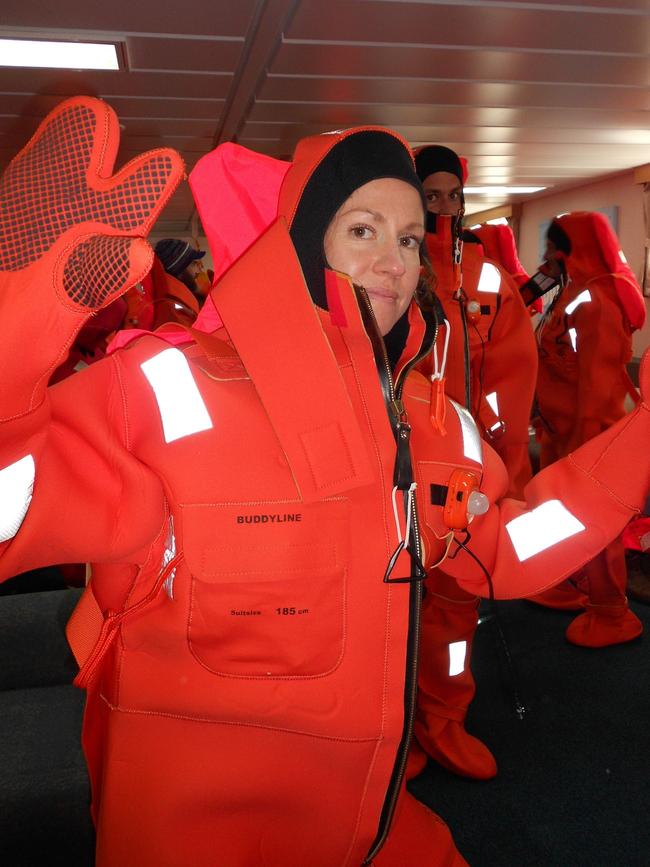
(607, 619)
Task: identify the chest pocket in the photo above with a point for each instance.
(268, 587)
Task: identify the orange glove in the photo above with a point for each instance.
(70, 238)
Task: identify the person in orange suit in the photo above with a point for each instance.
(171, 291)
(183, 261)
(491, 367)
(491, 362)
(585, 343)
(498, 242)
(268, 498)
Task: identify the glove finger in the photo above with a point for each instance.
(97, 269)
(134, 197)
(61, 179)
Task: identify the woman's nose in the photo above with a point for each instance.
(391, 259)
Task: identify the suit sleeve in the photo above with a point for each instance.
(71, 489)
(572, 510)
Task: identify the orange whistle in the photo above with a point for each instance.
(438, 406)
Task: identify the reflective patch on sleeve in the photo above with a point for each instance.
(573, 336)
(180, 404)
(582, 298)
(16, 487)
(457, 654)
(538, 530)
(490, 279)
(472, 445)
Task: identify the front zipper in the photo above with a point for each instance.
(403, 476)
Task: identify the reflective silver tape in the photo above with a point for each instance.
(16, 487)
(490, 279)
(582, 298)
(472, 445)
(181, 407)
(457, 654)
(541, 528)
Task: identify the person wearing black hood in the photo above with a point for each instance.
(276, 498)
(492, 358)
(490, 367)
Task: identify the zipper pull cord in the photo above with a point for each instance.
(408, 502)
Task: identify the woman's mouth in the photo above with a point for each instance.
(389, 296)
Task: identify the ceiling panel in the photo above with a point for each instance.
(436, 92)
(202, 18)
(209, 57)
(108, 84)
(484, 25)
(461, 64)
(565, 119)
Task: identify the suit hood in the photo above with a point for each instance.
(596, 252)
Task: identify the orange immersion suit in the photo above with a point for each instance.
(250, 675)
(585, 343)
(498, 244)
(502, 350)
(502, 371)
(158, 298)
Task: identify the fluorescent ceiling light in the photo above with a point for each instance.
(500, 191)
(58, 55)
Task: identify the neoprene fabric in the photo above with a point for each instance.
(553, 804)
(193, 712)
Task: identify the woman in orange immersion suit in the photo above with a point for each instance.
(492, 356)
(267, 505)
(585, 343)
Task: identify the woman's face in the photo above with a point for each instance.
(375, 238)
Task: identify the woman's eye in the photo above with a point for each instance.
(362, 232)
(411, 242)
(431, 197)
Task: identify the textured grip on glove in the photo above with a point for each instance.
(96, 270)
(62, 179)
(71, 238)
(99, 268)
